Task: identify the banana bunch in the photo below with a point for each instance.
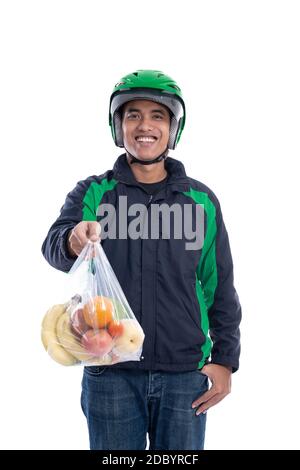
(58, 338)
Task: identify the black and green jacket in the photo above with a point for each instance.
(185, 300)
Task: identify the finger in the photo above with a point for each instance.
(213, 401)
(76, 248)
(73, 243)
(76, 243)
(205, 397)
(94, 230)
(74, 235)
(80, 233)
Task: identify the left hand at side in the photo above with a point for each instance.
(220, 377)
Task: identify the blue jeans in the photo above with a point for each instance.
(123, 405)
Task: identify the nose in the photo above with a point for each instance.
(145, 124)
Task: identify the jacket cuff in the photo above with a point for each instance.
(63, 237)
(228, 361)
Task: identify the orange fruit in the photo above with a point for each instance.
(115, 329)
(98, 312)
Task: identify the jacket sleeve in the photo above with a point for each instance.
(224, 309)
(54, 247)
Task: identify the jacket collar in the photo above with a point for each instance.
(176, 172)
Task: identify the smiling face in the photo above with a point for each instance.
(146, 127)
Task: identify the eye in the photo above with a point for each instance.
(159, 116)
(132, 115)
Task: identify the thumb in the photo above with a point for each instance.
(94, 230)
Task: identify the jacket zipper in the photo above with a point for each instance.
(150, 199)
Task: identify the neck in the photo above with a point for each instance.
(148, 173)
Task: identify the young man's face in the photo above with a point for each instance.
(146, 127)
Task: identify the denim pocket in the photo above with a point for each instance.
(94, 371)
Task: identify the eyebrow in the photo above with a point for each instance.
(131, 110)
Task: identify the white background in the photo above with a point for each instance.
(237, 63)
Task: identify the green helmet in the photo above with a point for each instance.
(150, 85)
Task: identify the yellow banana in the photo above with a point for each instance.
(49, 337)
(60, 355)
(50, 320)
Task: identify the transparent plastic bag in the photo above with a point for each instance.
(97, 326)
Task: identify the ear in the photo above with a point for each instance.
(118, 129)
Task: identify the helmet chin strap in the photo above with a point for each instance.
(161, 157)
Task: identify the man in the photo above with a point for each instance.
(180, 291)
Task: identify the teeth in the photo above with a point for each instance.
(145, 139)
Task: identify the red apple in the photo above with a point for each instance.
(97, 343)
(115, 329)
(78, 324)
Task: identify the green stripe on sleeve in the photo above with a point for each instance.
(94, 196)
